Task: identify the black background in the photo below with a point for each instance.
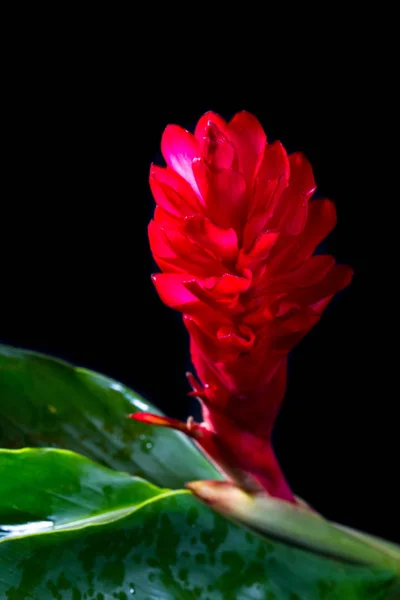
(84, 127)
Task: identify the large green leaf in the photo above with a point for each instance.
(296, 524)
(48, 402)
(73, 530)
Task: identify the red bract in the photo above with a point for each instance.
(234, 233)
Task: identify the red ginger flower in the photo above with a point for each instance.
(234, 233)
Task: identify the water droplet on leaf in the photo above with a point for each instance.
(146, 445)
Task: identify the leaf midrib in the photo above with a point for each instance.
(98, 519)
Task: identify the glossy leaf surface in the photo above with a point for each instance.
(48, 402)
(74, 530)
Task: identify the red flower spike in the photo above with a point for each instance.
(234, 234)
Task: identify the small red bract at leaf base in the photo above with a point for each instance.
(234, 233)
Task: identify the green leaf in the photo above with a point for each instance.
(48, 402)
(73, 530)
(296, 525)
